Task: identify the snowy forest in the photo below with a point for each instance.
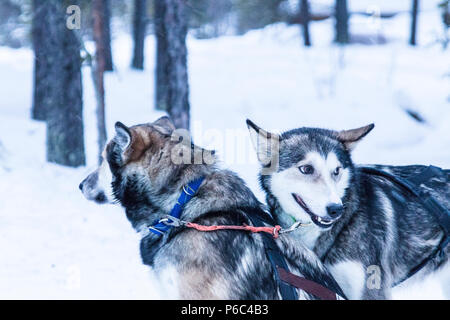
(70, 69)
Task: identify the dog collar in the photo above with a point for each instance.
(161, 226)
(293, 219)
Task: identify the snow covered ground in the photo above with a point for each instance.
(55, 244)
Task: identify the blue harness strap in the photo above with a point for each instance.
(189, 190)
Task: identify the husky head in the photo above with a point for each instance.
(306, 172)
(139, 164)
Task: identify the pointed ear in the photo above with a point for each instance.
(350, 138)
(265, 143)
(165, 124)
(123, 136)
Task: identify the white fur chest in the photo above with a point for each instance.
(167, 279)
(309, 235)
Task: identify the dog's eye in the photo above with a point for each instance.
(337, 171)
(306, 169)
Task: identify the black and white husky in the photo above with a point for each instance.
(364, 227)
(142, 171)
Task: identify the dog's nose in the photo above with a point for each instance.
(81, 186)
(335, 210)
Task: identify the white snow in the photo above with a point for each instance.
(55, 244)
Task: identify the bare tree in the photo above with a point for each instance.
(172, 76)
(98, 69)
(139, 31)
(40, 14)
(445, 14)
(161, 77)
(414, 12)
(57, 48)
(305, 18)
(109, 66)
(341, 15)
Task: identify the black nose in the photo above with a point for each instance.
(335, 210)
(81, 186)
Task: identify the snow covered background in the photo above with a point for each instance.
(56, 245)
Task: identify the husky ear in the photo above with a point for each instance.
(350, 138)
(265, 143)
(165, 124)
(123, 136)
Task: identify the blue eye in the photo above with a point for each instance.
(306, 169)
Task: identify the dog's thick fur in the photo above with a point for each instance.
(379, 227)
(192, 264)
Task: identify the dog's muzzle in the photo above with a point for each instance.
(334, 212)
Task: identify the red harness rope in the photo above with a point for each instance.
(274, 231)
(286, 276)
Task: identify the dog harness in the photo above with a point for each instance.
(287, 281)
(161, 226)
(413, 185)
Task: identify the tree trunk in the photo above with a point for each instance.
(172, 29)
(107, 35)
(59, 56)
(98, 70)
(304, 18)
(161, 82)
(341, 15)
(414, 11)
(139, 31)
(40, 41)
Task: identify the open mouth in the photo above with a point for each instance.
(319, 221)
